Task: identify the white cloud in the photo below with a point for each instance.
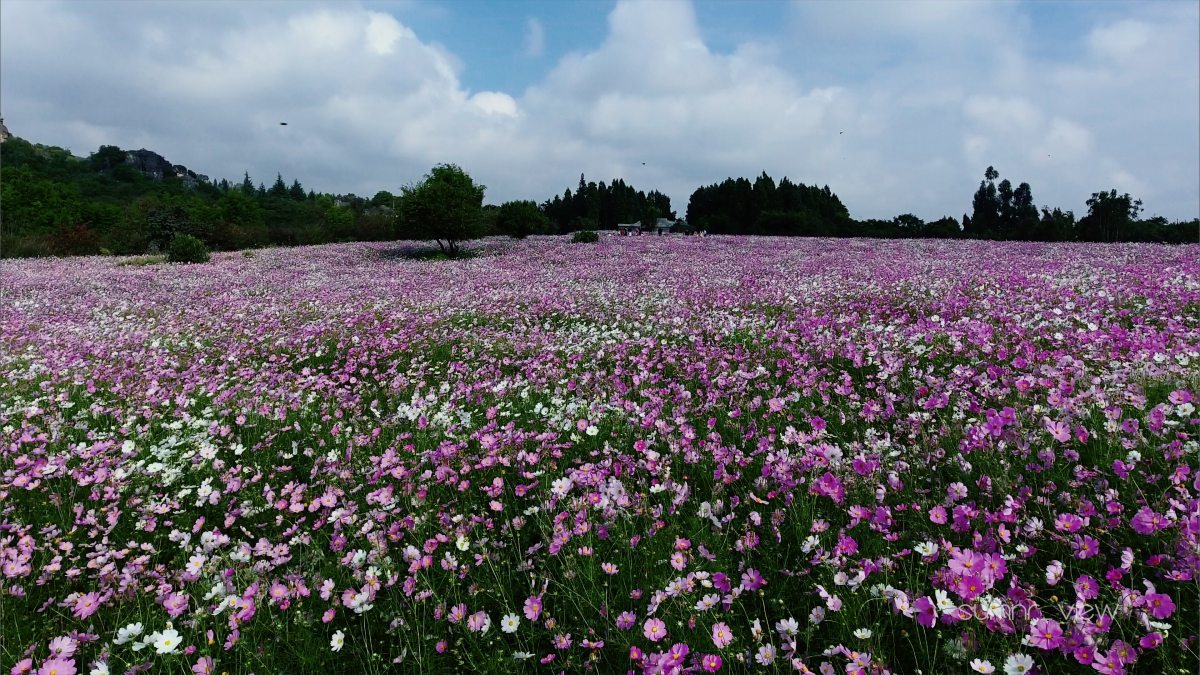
(1120, 40)
(897, 107)
(535, 38)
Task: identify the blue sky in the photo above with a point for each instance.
(897, 106)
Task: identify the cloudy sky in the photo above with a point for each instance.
(897, 106)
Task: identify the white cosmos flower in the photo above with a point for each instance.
(561, 486)
(509, 623)
(336, 642)
(165, 642)
(1018, 664)
(127, 633)
(863, 633)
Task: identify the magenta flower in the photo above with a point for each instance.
(204, 666)
(710, 663)
(1068, 522)
(1086, 546)
(752, 580)
(654, 630)
(1146, 521)
(1045, 634)
(1086, 588)
(925, 610)
(1160, 605)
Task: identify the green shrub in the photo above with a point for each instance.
(185, 248)
(585, 237)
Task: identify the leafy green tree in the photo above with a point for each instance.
(1056, 225)
(519, 219)
(1108, 215)
(107, 158)
(296, 192)
(447, 207)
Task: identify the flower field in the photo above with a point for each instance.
(669, 455)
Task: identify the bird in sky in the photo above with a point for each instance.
(283, 124)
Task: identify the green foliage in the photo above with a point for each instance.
(585, 237)
(447, 207)
(519, 219)
(596, 205)
(737, 206)
(142, 261)
(185, 248)
(1108, 214)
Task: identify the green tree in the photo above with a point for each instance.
(107, 158)
(447, 207)
(985, 207)
(520, 219)
(1108, 214)
(279, 188)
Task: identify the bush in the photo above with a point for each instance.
(185, 248)
(585, 237)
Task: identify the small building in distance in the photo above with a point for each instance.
(627, 229)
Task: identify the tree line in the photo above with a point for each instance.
(57, 204)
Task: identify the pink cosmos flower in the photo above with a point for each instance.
(479, 622)
(722, 635)
(1059, 429)
(966, 561)
(1151, 640)
(937, 515)
(711, 663)
(203, 666)
(677, 653)
(175, 604)
(63, 647)
(86, 605)
(654, 630)
(533, 607)
(58, 666)
(1086, 588)
(625, 620)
